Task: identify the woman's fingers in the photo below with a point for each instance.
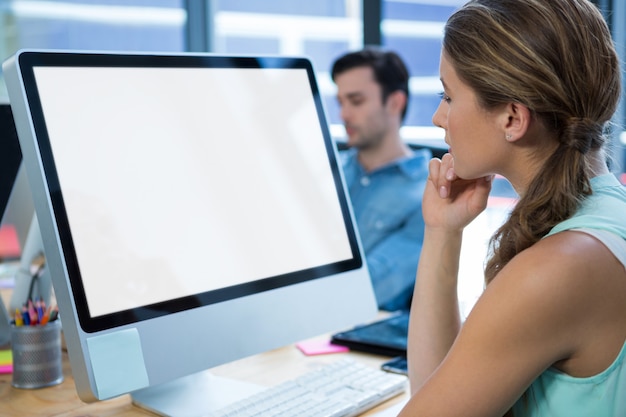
(442, 174)
(451, 201)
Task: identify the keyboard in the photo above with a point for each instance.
(341, 389)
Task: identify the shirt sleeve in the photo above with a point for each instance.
(393, 262)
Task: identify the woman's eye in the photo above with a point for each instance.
(444, 97)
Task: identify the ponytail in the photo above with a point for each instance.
(552, 197)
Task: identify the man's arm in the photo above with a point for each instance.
(393, 262)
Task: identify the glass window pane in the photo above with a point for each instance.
(414, 29)
(122, 25)
(321, 30)
(309, 8)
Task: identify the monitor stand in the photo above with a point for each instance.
(194, 395)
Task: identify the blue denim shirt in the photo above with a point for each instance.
(387, 205)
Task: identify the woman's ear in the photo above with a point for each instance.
(516, 120)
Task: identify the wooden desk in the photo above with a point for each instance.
(268, 368)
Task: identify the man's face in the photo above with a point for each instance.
(366, 119)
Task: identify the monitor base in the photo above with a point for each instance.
(194, 395)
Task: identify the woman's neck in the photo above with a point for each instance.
(597, 163)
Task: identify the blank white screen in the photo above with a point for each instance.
(178, 181)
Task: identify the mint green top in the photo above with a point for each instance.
(554, 393)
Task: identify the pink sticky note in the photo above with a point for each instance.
(319, 347)
(6, 369)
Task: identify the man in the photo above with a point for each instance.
(385, 178)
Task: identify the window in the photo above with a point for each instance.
(321, 30)
(122, 25)
(414, 29)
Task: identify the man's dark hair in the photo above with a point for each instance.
(390, 71)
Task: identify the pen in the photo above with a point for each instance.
(46, 317)
(32, 313)
(18, 317)
(40, 306)
(25, 316)
(54, 314)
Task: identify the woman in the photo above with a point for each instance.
(529, 87)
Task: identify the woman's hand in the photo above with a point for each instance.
(449, 201)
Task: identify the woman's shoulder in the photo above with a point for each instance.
(564, 281)
(570, 256)
(556, 300)
(551, 279)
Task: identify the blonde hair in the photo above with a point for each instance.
(557, 58)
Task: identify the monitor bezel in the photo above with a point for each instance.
(28, 61)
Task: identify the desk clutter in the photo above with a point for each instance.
(387, 336)
(6, 361)
(35, 313)
(36, 346)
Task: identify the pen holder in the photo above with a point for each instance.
(36, 355)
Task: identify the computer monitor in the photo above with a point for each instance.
(193, 213)
(16, 206)
(18, 219)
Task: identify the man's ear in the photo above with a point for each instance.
(396, 102)
(516, 119)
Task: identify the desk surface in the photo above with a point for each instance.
(267, 369)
